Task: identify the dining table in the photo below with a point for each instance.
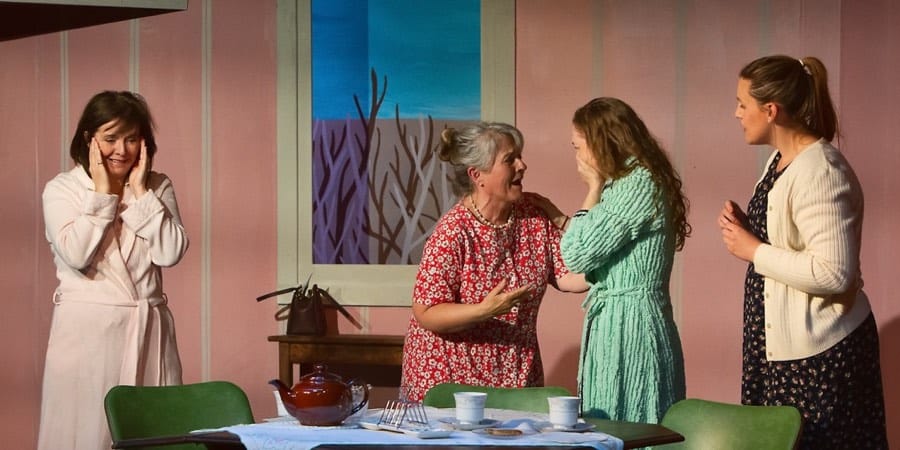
(287, 433)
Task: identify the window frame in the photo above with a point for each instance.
(357, 284)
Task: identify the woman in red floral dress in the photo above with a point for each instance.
(484, 271)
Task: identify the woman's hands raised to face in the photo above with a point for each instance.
(105, 181)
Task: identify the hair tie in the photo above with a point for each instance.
(805, 69)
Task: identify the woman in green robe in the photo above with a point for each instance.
(624, 239)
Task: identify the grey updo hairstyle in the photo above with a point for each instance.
(474, 146)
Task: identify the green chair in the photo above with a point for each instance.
(520, 399)
(155, 411)
(712, 425)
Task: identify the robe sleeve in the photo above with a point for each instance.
(154, 217)
(627, 210)
(75, 219)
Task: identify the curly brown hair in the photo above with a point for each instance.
(615, 133)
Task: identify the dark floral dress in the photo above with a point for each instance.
(838, 391)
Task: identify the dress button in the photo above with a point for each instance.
(769, 325)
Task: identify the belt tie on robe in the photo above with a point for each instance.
(594, 303)
(137, 330)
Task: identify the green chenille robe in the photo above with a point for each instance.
(631, 365)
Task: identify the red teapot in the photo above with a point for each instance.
(321, 398)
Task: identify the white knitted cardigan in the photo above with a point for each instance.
(813, 296)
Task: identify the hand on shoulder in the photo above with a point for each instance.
(553, 212)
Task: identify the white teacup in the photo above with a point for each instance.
(358, 393)
(469, 406)
(564, 411)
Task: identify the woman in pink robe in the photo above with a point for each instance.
(112, 225)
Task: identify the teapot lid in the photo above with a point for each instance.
(320, 374)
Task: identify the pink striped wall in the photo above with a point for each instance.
(556, 73)
(870, 61)
(170, 76)
(243, 240)
(213, 67)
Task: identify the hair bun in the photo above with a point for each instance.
(448, 144)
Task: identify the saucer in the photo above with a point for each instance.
(288, 420)
(369, 425)
(281, 419)
(490, 432)
(421, 433)
(485, 423)
(579, 427)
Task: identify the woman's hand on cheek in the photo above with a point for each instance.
(137, 179)
(589, 173)
(97, 168)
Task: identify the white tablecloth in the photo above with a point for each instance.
(290, 435)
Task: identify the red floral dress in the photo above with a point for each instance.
(462, 262)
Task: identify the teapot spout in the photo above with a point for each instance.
(283, 390)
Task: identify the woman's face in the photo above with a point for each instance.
(579, 143)
(755, 118)
(504, 181)
(583, 153)
(120, 146)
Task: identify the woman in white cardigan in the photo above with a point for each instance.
(112, 224)
(810, 338)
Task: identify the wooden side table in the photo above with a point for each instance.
(376, 358)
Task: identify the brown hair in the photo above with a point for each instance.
(106, 106)
(799, 86)
(615, 133)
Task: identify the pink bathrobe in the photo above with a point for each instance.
(111, 324)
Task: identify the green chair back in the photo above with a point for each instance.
(520, 399)
(153, 411)
(712, 425)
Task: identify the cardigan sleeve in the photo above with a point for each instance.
(816, 229)
(628, 209)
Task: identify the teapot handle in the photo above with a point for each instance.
(364, 401)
